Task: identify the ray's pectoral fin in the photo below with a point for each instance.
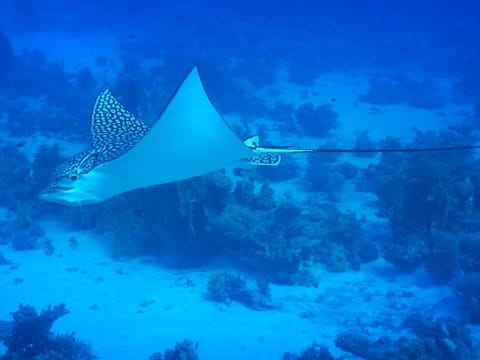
(114, 132)
(114, 129)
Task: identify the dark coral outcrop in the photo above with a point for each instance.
(29, 337)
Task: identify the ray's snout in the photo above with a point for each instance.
(52, 195)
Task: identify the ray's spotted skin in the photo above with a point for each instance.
(114, 131)
(265, 159)
(189, 139)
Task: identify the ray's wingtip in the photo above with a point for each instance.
(194, 75)
(195, 70)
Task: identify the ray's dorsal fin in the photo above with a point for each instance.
(112, 123)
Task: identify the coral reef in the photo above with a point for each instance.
(130, 88)
(364, 141)
(451, 337)
(289, 169)
(443, 259)
(367, 251)
(5, 329)
(46, 160)
(43, 97)
(324, 176)
(282, 115)
(259, 76)
(257, 241)
(347, 169)
(442, 339)
(185, 350)
(318, 120)
(468, 287)
(432, 202)
(26, 239)
(226, 287)
(239, 98)
(332, 232)
(20, 190)
(355, 342)
(313, 352)
(29, 337)
(391, 90)
(241, 226)
(15, 177)
(168, 219)
(264, 199)
(406, 256)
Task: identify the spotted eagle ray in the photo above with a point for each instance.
(189, 139)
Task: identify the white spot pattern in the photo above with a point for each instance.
(114, 132)
(271, 159)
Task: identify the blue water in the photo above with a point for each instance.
(327, 256)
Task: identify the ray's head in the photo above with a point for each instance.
(114, 132)
(67, 185)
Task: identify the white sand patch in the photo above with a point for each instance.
(120, 327)
(128, 310)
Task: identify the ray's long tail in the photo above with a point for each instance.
(271, 155)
